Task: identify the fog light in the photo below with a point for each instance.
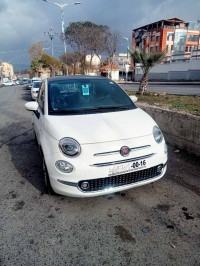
(64, 166)
(85, 185)
(159, 169)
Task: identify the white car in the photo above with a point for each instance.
(34, 89)
(93, 138)
(8, 83)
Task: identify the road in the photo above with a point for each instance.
(168, 88)
(157, 224)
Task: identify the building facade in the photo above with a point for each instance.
(6, 70)
(175, 36)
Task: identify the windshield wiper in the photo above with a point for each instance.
(105, 108)
(64, 111)
(89, 109)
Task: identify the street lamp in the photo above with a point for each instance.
(127, 65)
(127, 52)
(62, 16)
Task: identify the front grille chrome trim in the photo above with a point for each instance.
(72, 184)
(123, 161)
(124, 180)
(115, 152)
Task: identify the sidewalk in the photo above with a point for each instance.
(163, 82)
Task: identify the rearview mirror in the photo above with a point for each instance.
(31, 106)
(133, 98)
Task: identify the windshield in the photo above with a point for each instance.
(86, 96)
(36, 84)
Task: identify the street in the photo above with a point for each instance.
(183, 89)
(156, 224)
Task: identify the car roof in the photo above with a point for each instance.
(76, 77)
(36, 81)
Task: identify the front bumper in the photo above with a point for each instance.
(100, 180)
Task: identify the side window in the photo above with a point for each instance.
(41, 95)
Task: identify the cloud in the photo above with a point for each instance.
(3, 6)
(23, 22)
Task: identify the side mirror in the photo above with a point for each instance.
(133, 98)
(31, 106)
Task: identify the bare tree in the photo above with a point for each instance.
(111, 42)
(71, 59)
(36, 51)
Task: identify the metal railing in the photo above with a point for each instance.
(182, 57)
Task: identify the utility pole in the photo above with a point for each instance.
(51, 35)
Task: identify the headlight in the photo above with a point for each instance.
(64, 166)
(158, 136)
(70, 147)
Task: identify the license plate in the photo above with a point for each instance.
(127, 168)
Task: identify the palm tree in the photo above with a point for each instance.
(147, 61)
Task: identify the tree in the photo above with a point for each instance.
(36, 51)
(89, 38)
(52, 63)
(147, 61)
(71, 59)
(111, 42)
(35, 65)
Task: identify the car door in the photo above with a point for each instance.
(38, 116)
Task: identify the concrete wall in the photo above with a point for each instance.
(180, 129)
(189, 70)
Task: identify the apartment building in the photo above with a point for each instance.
(6, 70)
(175, 36)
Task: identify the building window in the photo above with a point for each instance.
(157, 38)
(193, 38)
(152, 49)
(186, 49)
(157, 49)
(153, 38)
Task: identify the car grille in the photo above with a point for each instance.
(120, 180)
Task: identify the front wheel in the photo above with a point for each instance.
(49, 189)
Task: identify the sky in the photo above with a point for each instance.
(23, 22)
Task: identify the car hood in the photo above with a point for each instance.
(100, 127)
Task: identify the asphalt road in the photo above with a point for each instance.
(157, 224)
(183, 89)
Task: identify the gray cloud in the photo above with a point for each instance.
(3, 6)
(23, 22)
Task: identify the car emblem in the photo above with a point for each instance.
(124, 151)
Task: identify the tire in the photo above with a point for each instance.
(49, 189)
(35, 139)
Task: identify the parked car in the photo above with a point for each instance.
(93, 139)
(25, 80)
(8, 83)
(19, 81)
(29, 84)
(35, 89)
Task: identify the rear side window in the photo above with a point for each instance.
(41, 96)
